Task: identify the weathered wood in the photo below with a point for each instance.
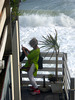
(3, 43)
(1, 4)
(26, 83)
(48, 62)
(49, 54)
(50, 69)
(66, 77)
(40, 76)
(2, 21)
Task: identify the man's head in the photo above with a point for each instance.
(33, 42)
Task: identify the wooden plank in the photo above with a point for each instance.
(48, 61)
(44, 54)
(2, 22)
(1, 4)
(38, 82)
(3, 43)
(50, 69)
(52, 62)
(39, 76)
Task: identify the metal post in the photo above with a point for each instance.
(16, 89)
(72, 90)
(69, 94)
(44, 81)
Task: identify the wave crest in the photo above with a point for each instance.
(34, 20)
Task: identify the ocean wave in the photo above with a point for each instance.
(40, 12)
(35, 19)
(66, 39)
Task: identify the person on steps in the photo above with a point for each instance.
(31, 65)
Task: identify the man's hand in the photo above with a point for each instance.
(23, 48)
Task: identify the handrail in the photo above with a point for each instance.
(69, 83)
(67, 77)
(6, 90)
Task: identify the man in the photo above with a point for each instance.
(31, 65)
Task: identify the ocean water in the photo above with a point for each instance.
(42, 17)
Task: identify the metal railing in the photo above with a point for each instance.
(6, 90)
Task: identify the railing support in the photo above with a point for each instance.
(44, 81)
(72, 90)
(16, 89)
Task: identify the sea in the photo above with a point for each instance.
(42, 17)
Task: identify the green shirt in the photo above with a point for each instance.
(33, 57)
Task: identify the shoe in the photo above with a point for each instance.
(36, 91)
(31, 88)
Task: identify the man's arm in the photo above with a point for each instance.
(23, 48)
